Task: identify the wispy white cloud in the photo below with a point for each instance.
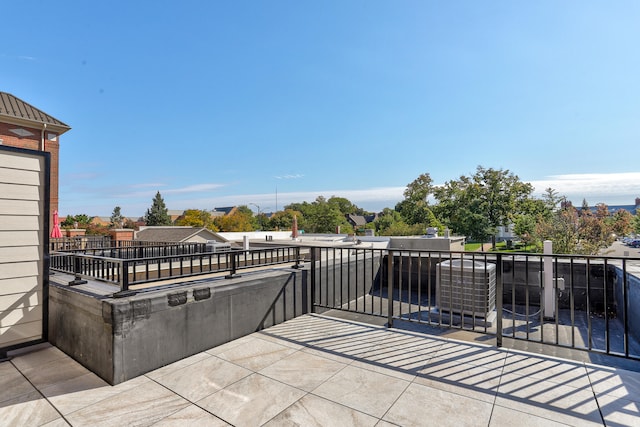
(148, 185)
(149, 190)
(611, 188)
(26, 58)
(197, 188)
(290, 176)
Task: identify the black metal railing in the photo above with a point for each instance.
(127, 271)
(142, 250)
(586, 306)
(79, 243)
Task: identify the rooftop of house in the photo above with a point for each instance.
(223, 211)
(14, 110)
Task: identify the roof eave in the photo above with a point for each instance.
(34, 124)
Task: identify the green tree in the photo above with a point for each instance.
(552, 201)
(636, 222)
(240, 220)
(525, 227)
(459, 207)
(157, 214)
(574, 232)
(283, 220)
(345, 206)
(414, 209)
(385, 220)
(561, 229)
(622, 223)
(477, 205)
(197, 218)
(320, 217)
(585, 209)
(117, 220)
(403, 229)
(80, 220)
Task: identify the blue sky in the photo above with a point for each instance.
(265, 103)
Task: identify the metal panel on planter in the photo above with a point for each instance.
(24, 228)
(466, 287)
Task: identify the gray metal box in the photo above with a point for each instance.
(466, 287)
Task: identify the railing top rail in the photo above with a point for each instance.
(476, 253)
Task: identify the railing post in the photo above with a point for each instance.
(234, 264)
(299, 262)
(390, 289)
(124, 275)
(77, 270)
(312, 271)
(499, 293)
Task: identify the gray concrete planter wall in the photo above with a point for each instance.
(120, 339)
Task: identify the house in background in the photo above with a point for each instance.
(229, 210)
(175, 214)
(359, 221)
(104, 221)
(24, 126)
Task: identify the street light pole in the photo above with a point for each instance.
(259, 217)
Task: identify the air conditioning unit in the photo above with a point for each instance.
(466, 287)
(215, 246)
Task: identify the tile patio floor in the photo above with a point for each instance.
(326, 371)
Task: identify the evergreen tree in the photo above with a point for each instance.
(117, 219)
(157, 214)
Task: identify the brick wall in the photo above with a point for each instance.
(33, 142)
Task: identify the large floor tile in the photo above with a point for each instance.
(328, 354)
(79, 392)
(191, 416)
(287, 342)
(251, 401)
(615, 382)
(41, 355)
(315, 411)
(58, 422)
(238, 342)
(401, 356)
(345, 346)
(205, 377)
(140, 406)
(421, 405)
(366, 391)
(452, 353)
(176, 366)
(51, 372)
(565, 404)
(467, 380)
(255, 354)
(618, 411)
(12, 383)
(29, 409)
(502, 416)
(560, 371)
(303, 370)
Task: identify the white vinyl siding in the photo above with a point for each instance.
(22, 238)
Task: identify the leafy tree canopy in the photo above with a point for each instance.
(197, 218)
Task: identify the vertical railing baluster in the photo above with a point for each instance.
(390, 288)
(625, 307)
(499, 294)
